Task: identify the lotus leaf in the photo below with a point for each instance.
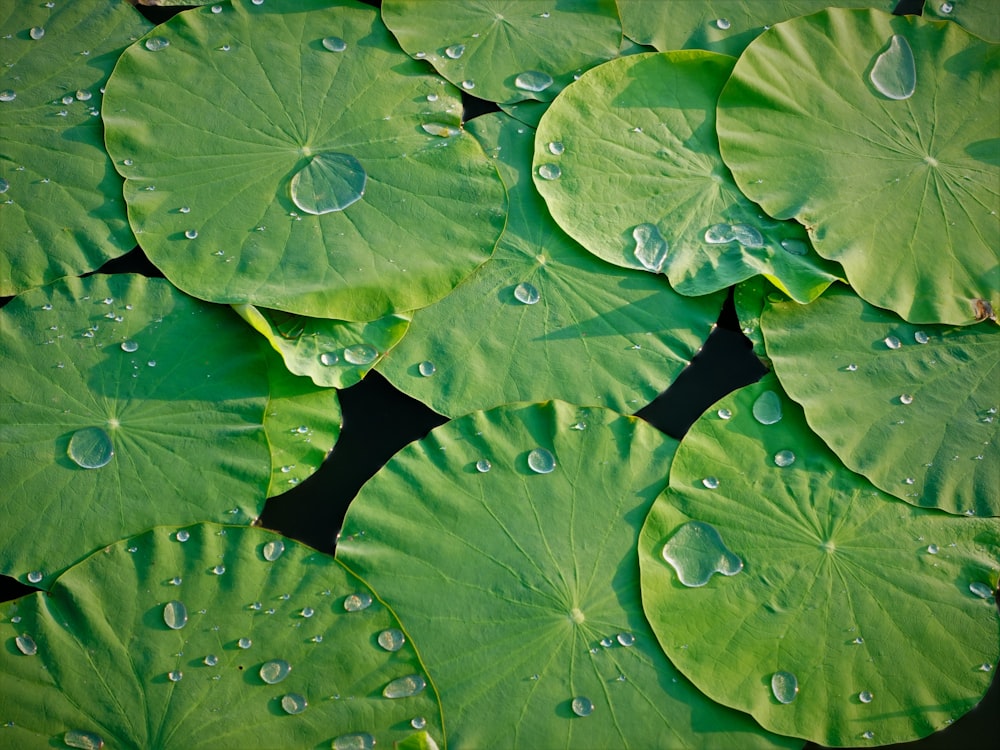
(510, 555)
(123, 404)
(551, 320)
(978, 16)
(61, 207)
(203, 637)
(507, 50)
(913, 408)
(326, 195)
(642, 129)
(862, 126)
(840, 614)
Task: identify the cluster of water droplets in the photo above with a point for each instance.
(745, 234)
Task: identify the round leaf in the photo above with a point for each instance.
(176, 388)
(237, 203)
(520, 583)
(510, 50)
(61, 208)
(594, 334)
(880, 612)
(858, 124)
(144, 644)
(642, 128)
(913, 408)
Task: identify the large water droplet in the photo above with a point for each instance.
(426, 368)
(183, 535)
(784, 686)
(156, 43)
(650, 247)
(273, 549)
(556, 148)
(549, 171)
(273, 672)
(357, 602)
(130, 346)
(722, 23)
(329, 182)
(360, 354)
(725, 414)
(90, 448)
(244, 643)
(356, 741)
(696, 552)
(980, 589)
(865, 697)
(582, 706)
(211, 660)
(391, 639)
(175, 615)
(175, 675)
(541, 461)
(747, 235)
(36, 32)
(418, 722)
(921, 337)
(892, 342)
(905, 398)
(328, 359)
(626, 639)
(78, 738)
(293, 703)
(404, 687)
(455, 51)
(526, 293)
(533, 80)
(26, 645)
(894, 73)
(767, 408)
(784, 458)
(334, 43)
(440, 129)
(35, 576)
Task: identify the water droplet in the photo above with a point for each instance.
(68, 99)
(795, 247)
(35, 576)
(330, 181)
(892, 342)
(722, 23)
(921, 337)
(710, 482)
(526, 293)
(483, 465)
(784, 686)
(211, 660)
(418, 722)
(858, 641)
(8, 95)
(650, 247)
(550, 171)
(533, 80)
(293, 703)
(36, 32)
(26, 645)
(725, 414)
(83, 740)
(932, 549)
(175, 615)
(357, 602)
(607, 642)
(909, 480)
(129, 346)
(626, 639)
(175, 675)
(391, 639)
(275, 548)
(301, 429)
(946, 8)
(156, 43)
(784, 458)
(851, 367)
(696, 552)
(767, 408)
(981, 590)
(747, 235)
(334, 43)
(905, 398)
(219, 570)
(426, 368)
(455, 51)
(868, 735)
(432, 97)
(90, 448)
(865, 697)
(405, 687)
(556, 148)
(468, 85)
(541, 461)
(273, 672)
(985, 667)
(582, 706)
(176, 581)
(894, 73)
(440, 129)
(216, 8)
(191, 233)
(182, 536)
(719, 234)
(356, 741)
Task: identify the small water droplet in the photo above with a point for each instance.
(90, 448)
(696, 552)
(211, 660)
(440, 129)
(795, 247)
(541, 461)
(985, 667)
(391, 639)
(8, 95)
(36, 32)
(35, 576)
(784, 458)
(182, 536)
(626, 639)
(293, 703)
(767, 408)
(946, 8)
(432, 97)
(156, 43)
(244, 643)
(909, 480)
(722, 23)
(330, 181)
(191, 233)
(175, 615)
(921, 337)
(784, 686)
(357, 602)
(710, 482)
(334, 43)
(26, 645)
(858, 641)
(483, 465)
(219, 570)
(455, 51)
(894, 73)
(851, 367)
(275, 548)
(129, 346)
(932, 549)
(868, 735)
(607, 642)
(981, 590)
(650, 247)
(175, 675)
(556, 148)
(356, 741)
(360, 354)
(176, 581)
(582, 706)
(426, 368)
(905, 398)
(78, 738)
(533, 80)
(468, 85)
(216, 8)
(725, 414)
(405, 687)
(307, 612)
(526, 293)
(418, 722)
(550, 171)
(892, 342)
(865, 697)
(275, 671)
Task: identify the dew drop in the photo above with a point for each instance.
(710, 482)
(156, 43)
(35, 576)
(183, 535)
(892, 342)
(932, 549)
(293, 703)
(795, 247)
(36, 32)
(865, 697)
(330, 181)
(275, 548)
(176, 581)
(483, 465)
(211, 660)
(175, 675)
(391, 639)
(78, 738)
(455, 51)
(360, 354)
(851, 367)
(607, 642)
(175, 615)
(946, 8)
(784, 458)
(582, 706)
(90, 448)
(722, 23)
(868, 735)
(405, 687)
(784, 686)
(626, 639)
(550, 171)
(219, 570)
(468, 85)
(440, 129)
(432, 97)
(216, 8)
(273, 672)
(767, 408)
(244, 643)
(426, 368)
(858, 641)
(356, 741)
(981, 590)
(905, 398)
(921, 337)
(556, 148)
(650, 247)
(418, 722)
(26, 645)
(894, 74)
(129, 346)
(541, 461)
(8, 95)
(357, 602)
(526, 293)
(985, 667)
(191, 233)
(696, 552)
(334, 43)
(725, 414)
(533, 80)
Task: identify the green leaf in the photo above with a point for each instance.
(725, 26)
(885, 182)
(596, 334)
(235, 204)
(510, 50)
(522, 588)
(333, 353)
(913, 408)
(61, 207)
(978, 16)
(642, 129)
(859, 596)
(175, 388)
(108, 663)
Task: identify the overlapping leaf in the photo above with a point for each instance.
(978, 16)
